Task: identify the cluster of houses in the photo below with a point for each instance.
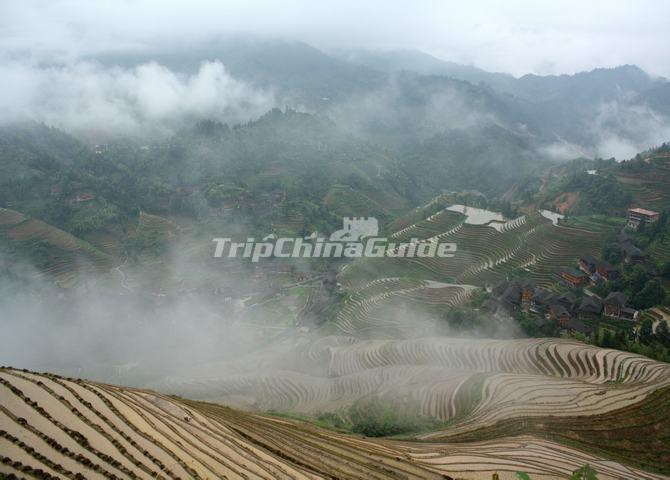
(263, 201)
(79, 197)
(594, 271)
(588, 270)
(597, 270)
(271, 269)
(562, 309)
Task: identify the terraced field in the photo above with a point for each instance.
(155, 226)
(474, 385)
(486, 254)
(367, 310)
(69, 255)
(52, 427)
(651, 191)
(346, 201)
(528, 246)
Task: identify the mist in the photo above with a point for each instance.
(91, 100)
(199, 115)
(517, 37)
(102, 331)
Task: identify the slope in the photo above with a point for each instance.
(52, 427)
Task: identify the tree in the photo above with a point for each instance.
(646, 331)
(663, 333)
(637, 278)
(607, 339)
(665, 270)
(612, 253)
(620, 340)
(652, 294)
(584, 473)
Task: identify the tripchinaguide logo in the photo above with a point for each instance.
(358, 237)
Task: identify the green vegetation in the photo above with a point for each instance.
(645, 341)
(635, 281)
(585, 472)
(605, 224)
(599, 193)
(376, 417)
(372, 416)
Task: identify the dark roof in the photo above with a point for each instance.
(624, 237)
(500, 288)
(572, 271)
(578, 326)
(512, 294)
(567, 297)
(616, 298)
(558, 310)
(544, 296)
(588, 259)
(489, 305)
(506, 306)
(590, 304)
(652, 270)
(606, 266)
(632, 250)
(542, 321)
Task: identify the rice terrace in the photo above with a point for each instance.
(334, 240)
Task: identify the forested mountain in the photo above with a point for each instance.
(399, 98)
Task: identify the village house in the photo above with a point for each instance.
(510, 300)
(490, 305)
(568, 300)
(543, 322)
(499, 288)
(300, 276)
(543, 299)
(575, 325)
(606, 271)
(285, 268)
(587, 264)
(527, 294)
(506, 301)
(559, 314)
(572, 277)
(628, 313)
(83, 197)
(632, 254)
(641, 216)
(613, 304)
(184, 191)
(590, 308)
(615, 307)
(597, 270)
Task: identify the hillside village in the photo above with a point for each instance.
(582, 297)
(277, 241)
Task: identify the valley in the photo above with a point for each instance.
(249, 257)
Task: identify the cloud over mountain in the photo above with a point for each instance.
(149, 98)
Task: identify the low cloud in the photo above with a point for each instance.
(623, 130)
(617, 129)
(412, 109)
(88, 99)
(563, 150)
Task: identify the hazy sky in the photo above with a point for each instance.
(512, 36)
